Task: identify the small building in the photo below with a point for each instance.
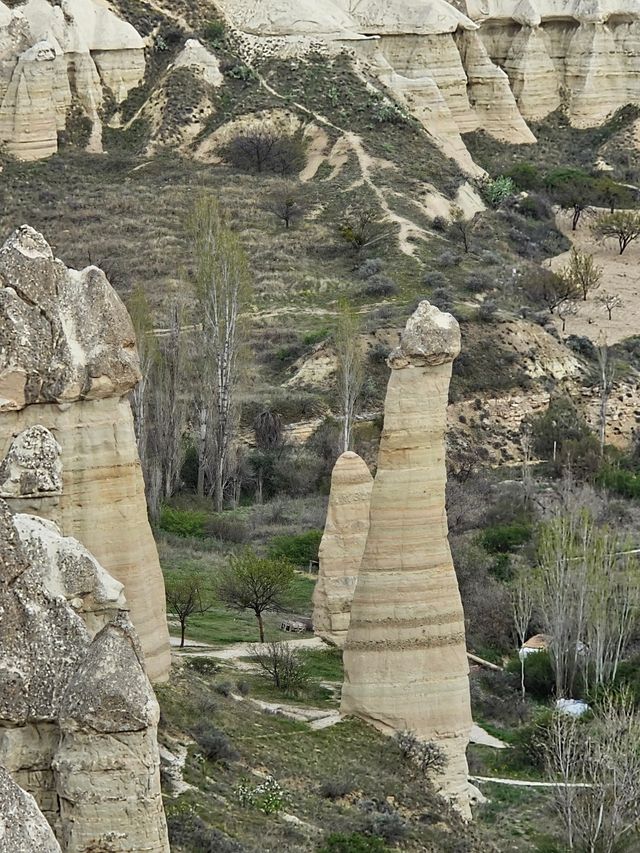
(292, 626)
(537, 643)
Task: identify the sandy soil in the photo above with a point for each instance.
(621, 276)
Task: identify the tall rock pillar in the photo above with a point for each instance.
(342, 547)
(68, 361)
(405, 655)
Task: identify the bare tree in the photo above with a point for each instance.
(567, 309)
(523, 597)
(222, 287)
(583, 272)
(350, 367)
(460, 227)
(286, 204)
(253, 583)
(364, 227)
(606, 376)
(186, 595)
(282, 665)
(587, 596)
(598, 767)
(623, 225)
(140, 314)
(552, 289)
(269, 439)
(263, 149)
(609, 301)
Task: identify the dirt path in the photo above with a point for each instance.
(526, 783)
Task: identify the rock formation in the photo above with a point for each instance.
(203, 63)
(23, 828)
(405, 655)
(67, 362)
(342, 547)
(78, 717)
(55, 57)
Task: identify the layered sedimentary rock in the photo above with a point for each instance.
(78, 717)
(23, 827)
(67, 362)
(57, 56)
(405, 656)
(342, 547)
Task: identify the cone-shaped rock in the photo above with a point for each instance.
(405, 657)
(342, 547)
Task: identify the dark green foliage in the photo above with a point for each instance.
(183, 522)
(214, 32)
(298, 550)
(539, 680)
(620, 481)
(506, 538)
(528, 749)
(354, 842)
(525, 176)
(213, 743)
(227, 528)
(563, 432)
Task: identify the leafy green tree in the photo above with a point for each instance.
(254, 583)
(573, 190)
(583, 272)
(525, 176)
(613, 194)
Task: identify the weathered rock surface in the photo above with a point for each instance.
(55, 56)
(23, 827)
(195, 56)
(67, 362)
(342, 547)
(78, 718)
(405, 654)
(33, 466)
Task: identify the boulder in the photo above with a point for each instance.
(342, 547)
(405, 657)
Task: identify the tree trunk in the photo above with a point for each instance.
(183, 628)
(218, 489)
(522, 675)
(260, 626)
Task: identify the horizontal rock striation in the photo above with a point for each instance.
(67, 363)
(78, 717)
(405, 654)
(342, 547)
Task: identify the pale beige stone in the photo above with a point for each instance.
(201, 61)
(342, 547)
(77, 367)
(405, 655)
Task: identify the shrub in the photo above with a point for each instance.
(448, 258)
(190, 832)
(372, 266)
(299, 549)
(442, 299)
(434, 279)
(282, 665)
(529, 742)
(354, 842)
(426, 755)
(505, 538)
(215, 745)
(534, 206)
(214, 31)
(224, 688)
(496, 191)
(243, 687)
(525, 176)
(379, 285)
(226, 528)
(260, 150)
(620, 481)
(183, 522)
(389, 826)
(268, 796)
(335, 789)
(379, 353)
(487, 311)
(478, 282)
(440, 223)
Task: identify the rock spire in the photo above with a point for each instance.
(405, 655)
(68, 360)
(342, 546)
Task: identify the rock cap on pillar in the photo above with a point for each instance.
(430, 337)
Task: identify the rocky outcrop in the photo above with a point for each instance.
(405, 655)
(23, 827)
(57, 56)
(342, 547)
(67, 362)
(201, 61)
(78, 717)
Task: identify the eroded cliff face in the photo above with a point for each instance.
(405, 655)
(55, 57)
(78, 717)
(67, 362)
(342, 547)
(496, 66)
